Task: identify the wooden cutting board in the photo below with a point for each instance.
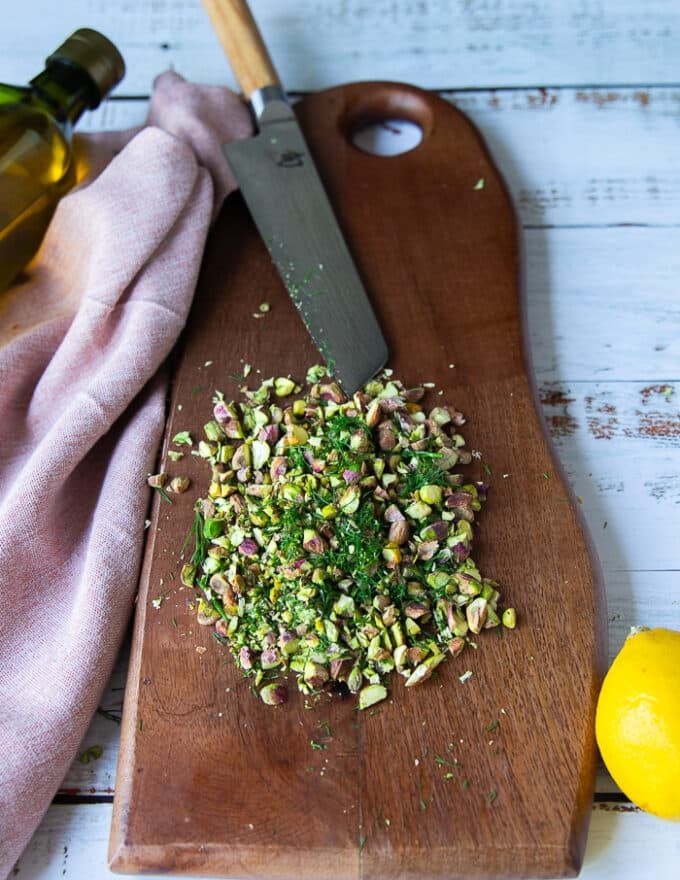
(211, 781)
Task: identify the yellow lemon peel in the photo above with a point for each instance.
(637, 723)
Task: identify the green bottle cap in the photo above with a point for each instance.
(97, 56)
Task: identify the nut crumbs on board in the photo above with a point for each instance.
(354, 500)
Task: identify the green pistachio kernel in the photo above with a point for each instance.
(371, 694)
(430, 494)
(326, 546)
(283, 386)
(509, 618)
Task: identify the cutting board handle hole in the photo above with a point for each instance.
(387, 137)
(388, 121)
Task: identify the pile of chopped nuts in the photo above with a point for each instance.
(334, 541)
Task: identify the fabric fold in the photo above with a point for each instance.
(83, 340)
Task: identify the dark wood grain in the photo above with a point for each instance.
(211, 781)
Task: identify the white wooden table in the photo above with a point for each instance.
(579, 101)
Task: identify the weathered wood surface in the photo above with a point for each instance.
(435, 44)
(593, 156)
(622, 843)
(584, 157)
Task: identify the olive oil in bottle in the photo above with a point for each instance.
(37, 165)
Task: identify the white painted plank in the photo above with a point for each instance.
(604, 303)
(615, 410)
(115, 114)
(623, 843)
(618, 443)
(584, 156)
(626, 843)
(569, 156)
(433, 43)
(641, 598)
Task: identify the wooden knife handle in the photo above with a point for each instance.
(242, 42)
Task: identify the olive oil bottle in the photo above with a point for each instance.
(37, 164)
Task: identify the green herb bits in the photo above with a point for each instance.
(333, 544)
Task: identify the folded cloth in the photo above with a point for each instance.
(83, 338)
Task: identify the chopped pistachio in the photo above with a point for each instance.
(333, 542)
(94, 753)
(179, 484)
(424, 670)
(206, 614)
(350, 499)
(399, 532)
(157, 481)
(260, 454)
(283, 386)
(509, 618)
(315, 374)
(175, 455)
(188, 575)
(274, 694)
(476, 613)
(430, 494)
(158, 601)
(418, 510)
(371, 694)
(183, 438)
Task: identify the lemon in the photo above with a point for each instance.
(637, 723)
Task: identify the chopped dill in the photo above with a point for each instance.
(290, 530)
(359, 549)
(340, 426)
(164, 495)
(425, 472)
(312, 550)
(296, 456)
(441, 760)
(200, 541)
(338, 432)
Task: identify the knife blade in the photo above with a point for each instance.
(289, 205)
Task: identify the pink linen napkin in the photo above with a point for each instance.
(82, 342)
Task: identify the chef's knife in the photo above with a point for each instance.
(291, 210)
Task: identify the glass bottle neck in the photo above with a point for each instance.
(67, 90)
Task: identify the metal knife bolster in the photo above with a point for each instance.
(266, 100)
